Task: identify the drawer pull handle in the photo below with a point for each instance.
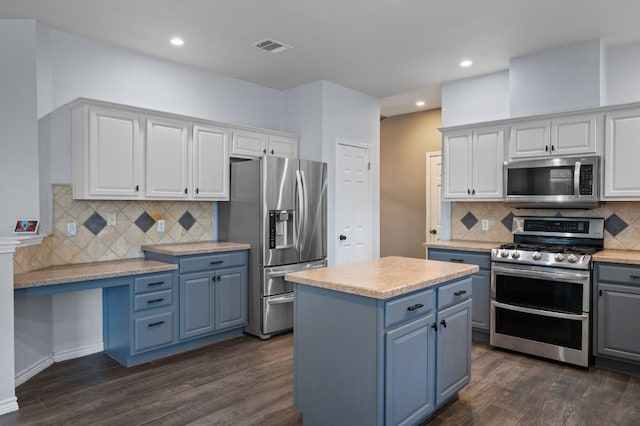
(153, 324)
(155, 300)
(216, 262)
(634, 277)
(457, 260)
(460, 293)
(443, 323)
(155, 283)
(414, 307)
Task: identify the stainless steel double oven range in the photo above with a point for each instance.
(541, 287)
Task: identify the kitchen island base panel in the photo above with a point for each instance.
(338, 331)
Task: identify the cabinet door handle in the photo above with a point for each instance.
(155, 300)
(272, 152)
(553, 148)
(137, 188)
(443, 323)
(185, 190)
(414, 307)
(264, 151)
(456, 260)
(473, 192)
(546, 148)
(460, 293)
(468, 191)
(634, 277)
(435, 327)
(153, 324)
(155, 283)
(197, 190)
(599, 292)
(216, 262)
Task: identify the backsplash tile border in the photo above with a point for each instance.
(616, 236)
(122, 241)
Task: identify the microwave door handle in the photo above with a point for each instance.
(576, 178)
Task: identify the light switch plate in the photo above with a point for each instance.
(485, 224)
(112, 219)
(161, 225)
(71, 229)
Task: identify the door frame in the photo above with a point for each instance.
(369, 148)
(428, 183)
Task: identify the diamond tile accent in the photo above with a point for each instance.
(507, 221)
(187, 220)
(614, 224)
(144, 222)
(469, 220)
(95, 223)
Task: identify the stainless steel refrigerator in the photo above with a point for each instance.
(279, 206)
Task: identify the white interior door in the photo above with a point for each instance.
(353, 204)
(434, 191)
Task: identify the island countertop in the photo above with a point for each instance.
(383, 278)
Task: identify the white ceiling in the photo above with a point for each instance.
(398, 50)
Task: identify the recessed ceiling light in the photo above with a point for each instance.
(420, 103)
(177, 41)
(466, 63)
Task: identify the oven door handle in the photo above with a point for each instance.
(556, 275)
(561, 315)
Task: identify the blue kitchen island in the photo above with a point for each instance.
(382, 342)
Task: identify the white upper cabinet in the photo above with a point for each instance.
(210, 162)
(570, 135)
(473, 164)
(622, 151)
(251, 144)
(167, 158)
(107, 153)
(123, 153)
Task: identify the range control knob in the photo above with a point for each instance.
(515, 254)
(559, 257)
(572, 258)
(504, 253)
(536, 255)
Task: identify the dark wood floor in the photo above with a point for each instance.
(247, 381)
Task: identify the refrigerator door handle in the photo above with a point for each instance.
(305, 211)
(278, 300)
(301, 212)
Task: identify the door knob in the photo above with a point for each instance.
(433, 232)
(343, 237)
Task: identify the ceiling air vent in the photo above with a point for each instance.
(271, 46)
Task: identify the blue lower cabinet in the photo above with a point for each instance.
(230, 298)
(364, 361)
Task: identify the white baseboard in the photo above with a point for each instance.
(8, 405)
(65, 354)
(58, 356)
(28, 373)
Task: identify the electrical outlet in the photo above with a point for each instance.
(71, 229)
(485, 224)
(112, 219)
(161, 225)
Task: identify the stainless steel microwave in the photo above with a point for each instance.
(553, 182)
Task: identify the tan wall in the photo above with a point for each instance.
(404, 142)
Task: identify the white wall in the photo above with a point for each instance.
(302, 114)
(623, 73)
(352, 116)
(475, 99)
(566, 78)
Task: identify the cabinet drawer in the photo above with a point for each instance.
(619, 274)
(153, 283)
(153, 300)
(453, 293)
(213, 261)
(153, 331)
(480, 259)
(409, 307)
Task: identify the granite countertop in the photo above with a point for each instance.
(383, 278)
(77, 272)
(617, 256)
(483, 246)
(200, 247)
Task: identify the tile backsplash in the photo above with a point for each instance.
(622, 221)
(97, 239)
